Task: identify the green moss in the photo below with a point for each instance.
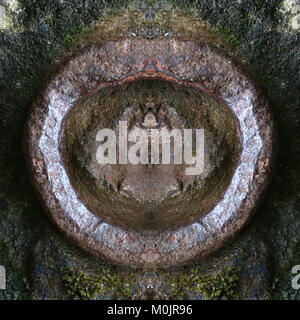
(122, 285)
(112, 282)
(220, 285)
(229, 37)
(74, 34)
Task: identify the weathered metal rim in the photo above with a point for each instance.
(183, 61)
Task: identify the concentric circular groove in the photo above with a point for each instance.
(184, 62)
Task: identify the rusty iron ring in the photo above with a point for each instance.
(185, 62)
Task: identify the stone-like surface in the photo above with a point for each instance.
(181, 61)
(33, 251)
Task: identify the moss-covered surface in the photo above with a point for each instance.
(112, 283)
(115, 283)
(38, 34)
(220, 285)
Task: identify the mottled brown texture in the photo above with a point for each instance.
(149, 197)
(184, 62)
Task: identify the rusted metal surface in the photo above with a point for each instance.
(184, 62)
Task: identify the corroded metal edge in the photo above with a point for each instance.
(182, 61)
